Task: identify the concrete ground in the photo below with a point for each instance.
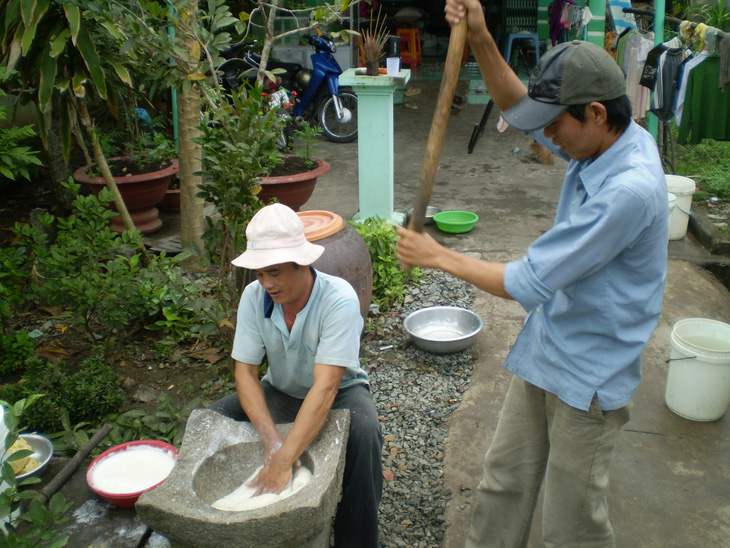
(671, 476)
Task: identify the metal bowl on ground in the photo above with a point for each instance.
(443, 329)
(42, 452)
(455, 222)
(428, 217)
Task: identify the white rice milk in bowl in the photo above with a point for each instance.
(121, 474)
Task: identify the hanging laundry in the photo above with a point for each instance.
(621, 58)
(711, 35)
(559, 24)
(638, 47)
(706, 112)
(610, 42)
(651, 66)
(663, 100)
(621, 21)
(683, 77)
(699, 34)
(724, 50)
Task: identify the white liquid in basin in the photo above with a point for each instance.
(243, 499)
(439, 333)
(132, 470)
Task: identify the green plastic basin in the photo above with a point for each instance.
(455, 222)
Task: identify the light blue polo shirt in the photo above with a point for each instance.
(326, 331)
(593, 284)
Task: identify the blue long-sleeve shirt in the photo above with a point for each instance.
(593, 284)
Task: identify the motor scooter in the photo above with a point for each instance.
(234, 71)
(318, 96)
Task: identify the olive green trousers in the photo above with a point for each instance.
(539, 439)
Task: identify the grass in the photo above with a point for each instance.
(708, 164)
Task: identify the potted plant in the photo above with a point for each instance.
(292, 180)
(171, 200)
(142, 173)
(373, 45)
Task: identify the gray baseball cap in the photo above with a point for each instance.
(572, 73)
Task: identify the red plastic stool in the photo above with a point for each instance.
(410, 46)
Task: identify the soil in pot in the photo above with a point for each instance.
(291, 182)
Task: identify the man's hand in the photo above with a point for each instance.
(418, 249)
(456, 10)
(274, 477)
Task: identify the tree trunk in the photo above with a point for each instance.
(59, 169)
(107, 175)
(268, 39)
(192, 220)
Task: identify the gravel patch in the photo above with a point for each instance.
(415, 392)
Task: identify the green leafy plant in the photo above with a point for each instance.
(86, 270)
(166, 423)
(715, 15)
(240, 145)
(182, 308)
(708, 164)
(16, 350)
(389, 278)
(15, 272)
(18, 159)
(85, 395)
(35, 524)
(307, 149)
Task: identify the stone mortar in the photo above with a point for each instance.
(216, 456)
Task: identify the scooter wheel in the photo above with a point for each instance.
(339, 131)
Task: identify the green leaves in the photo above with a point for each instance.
(389, 278)
(91, 59)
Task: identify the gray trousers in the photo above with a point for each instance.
(540, 438)
(356, 521)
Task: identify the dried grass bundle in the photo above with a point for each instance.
(374, 40)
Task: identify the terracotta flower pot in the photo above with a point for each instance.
(292, 190)
(171, 200)
(141, 193)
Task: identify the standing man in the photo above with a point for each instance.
(308, 326)
(592, 287)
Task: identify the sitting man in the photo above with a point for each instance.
(308, 326)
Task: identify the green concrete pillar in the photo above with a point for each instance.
(596, 27)
(543, 28)
(375, 141)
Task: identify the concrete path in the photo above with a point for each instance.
(671, 476)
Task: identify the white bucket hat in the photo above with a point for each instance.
(276, 235)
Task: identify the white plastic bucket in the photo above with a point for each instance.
(672, 204)
(682, 188)
(698, 378)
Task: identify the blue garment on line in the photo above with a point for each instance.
(593, 284)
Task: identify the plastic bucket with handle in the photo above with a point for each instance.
(698, 378)
(682, 188)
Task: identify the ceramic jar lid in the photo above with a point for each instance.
(319, 224)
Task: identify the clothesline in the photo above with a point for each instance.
(690, 89)
(677, 22)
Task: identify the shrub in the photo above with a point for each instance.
(86, 395)
(17, 159)
(389, 278)
(16, 351)
(86, 270)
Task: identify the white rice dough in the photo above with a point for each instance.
(135, 469)
(242, 499)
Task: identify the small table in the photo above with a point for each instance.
(375, 141)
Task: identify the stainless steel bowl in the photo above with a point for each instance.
(428, 217)
(42, 452)
(443, 329)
